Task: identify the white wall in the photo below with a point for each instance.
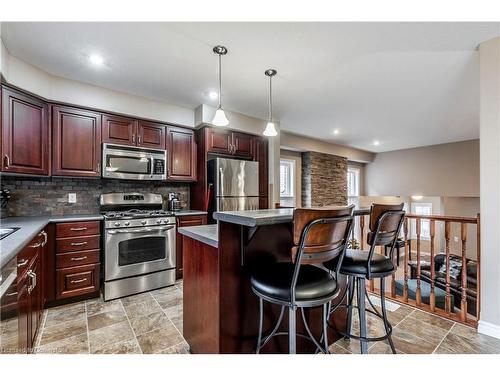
(30, 78)
(489, 61)
(450, 169)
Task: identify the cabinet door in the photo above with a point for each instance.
(151, 135)
(25, 134)
(181, 152)
(185, 221)
(242, 144)
(260, 154)
(23, 304)
(76, 142)
(119, 130)
(218, 141)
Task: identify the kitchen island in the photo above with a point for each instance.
(220, 310)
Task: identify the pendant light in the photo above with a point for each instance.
(220, 118)
(270, 130)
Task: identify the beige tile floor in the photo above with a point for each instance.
(152, 323)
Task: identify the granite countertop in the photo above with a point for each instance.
(255, 218)
(208, 234)
(28, 228)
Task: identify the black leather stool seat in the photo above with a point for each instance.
(274, 281)
(356, 263)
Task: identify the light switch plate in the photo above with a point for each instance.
(71, 197)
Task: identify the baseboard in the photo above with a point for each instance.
(489, 329)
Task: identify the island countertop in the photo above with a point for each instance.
(255, 218)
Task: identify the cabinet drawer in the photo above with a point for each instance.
(26, 256)
(81, 228)
(77, 258)
(75, 281)
(189, 221)
(64, 245)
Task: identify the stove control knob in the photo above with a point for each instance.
(158, 221)
(117, 224)
(126, 223)
(143, 222)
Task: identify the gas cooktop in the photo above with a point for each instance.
(136, 214)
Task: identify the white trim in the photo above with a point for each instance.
(489, 329)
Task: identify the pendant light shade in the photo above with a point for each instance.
(270, 130)
(220, 118)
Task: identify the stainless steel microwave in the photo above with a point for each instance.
(133, 163)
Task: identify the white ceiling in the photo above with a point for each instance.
(404, 84)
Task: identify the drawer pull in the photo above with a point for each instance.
(11, 294)
(78, 281)
(38, 244)
(78, 243)
(22, 263)
(77, 259)
(78, 229)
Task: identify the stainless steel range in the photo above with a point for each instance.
(139, 244)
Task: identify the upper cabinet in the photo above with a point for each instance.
(222, 141)
(181, 153)
(130, 132)
(260, 154)
(76, 144)
(25, 134)
(150, 134)
(118, 130)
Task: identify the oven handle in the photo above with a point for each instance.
(158, 229)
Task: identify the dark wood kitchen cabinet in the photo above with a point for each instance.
(30, 291)
(181, 153)
(25, 133)
(128, 131)
(185, 221)
(260, 154)
(222, 141)
(76, 144)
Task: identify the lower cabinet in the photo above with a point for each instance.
(30, 291)
(185, 221)
(77, 259)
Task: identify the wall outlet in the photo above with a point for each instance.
(71, 197)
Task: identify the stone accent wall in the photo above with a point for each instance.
(324, 180)
(33, 196)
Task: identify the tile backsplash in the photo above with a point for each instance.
(32, 196)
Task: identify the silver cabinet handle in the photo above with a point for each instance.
(38, 244)
(45, 238)
(78, 281)
(11, 294)
(133, 138)
(138, 139)
(22, 263)
(32, 275)
(98, 168)
(78, 229)
(78, 243)
(7, 161)
(76, 259)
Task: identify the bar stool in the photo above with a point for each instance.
(359, 266)
(319, 235)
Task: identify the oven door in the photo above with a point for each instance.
(137, 251)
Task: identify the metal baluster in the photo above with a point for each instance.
(433, 271)
(447, 230)
(418, 296)
(463, 304)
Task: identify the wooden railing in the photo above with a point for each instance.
(430, 289)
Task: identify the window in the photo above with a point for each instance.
(287, 182)
(352, 185)
(425, 226)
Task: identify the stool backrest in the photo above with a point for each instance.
(322, 233)
(384, 228)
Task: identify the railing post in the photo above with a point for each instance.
(432, 298)
(478, 266)
(447, 230)
(418, 296)
(405, 265)
(463, 304)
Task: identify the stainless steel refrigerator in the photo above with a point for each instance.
(234, 185)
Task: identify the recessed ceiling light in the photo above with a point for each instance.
(336, 131)
(376, 143)
(96, 59)
(213, 95)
